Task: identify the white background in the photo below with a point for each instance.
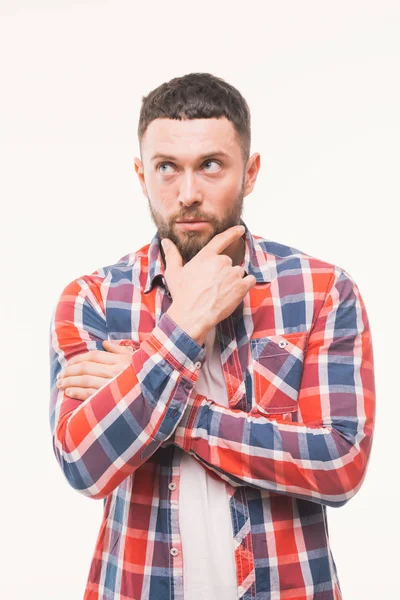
(322, 82)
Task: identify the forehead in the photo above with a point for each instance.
(190, 137)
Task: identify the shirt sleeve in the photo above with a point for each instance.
(323, 456)
(100, 441)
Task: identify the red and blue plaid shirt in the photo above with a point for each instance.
(298, 365)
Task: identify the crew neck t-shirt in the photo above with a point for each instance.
(209, 569)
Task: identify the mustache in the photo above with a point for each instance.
(193, 215)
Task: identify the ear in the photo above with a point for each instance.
(252, 169)
(140, 173)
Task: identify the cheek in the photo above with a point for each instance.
(152, 186)
(225, 193)
(165, 200)
(231, 183)
(161, 196)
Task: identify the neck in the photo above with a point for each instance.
(236, 251)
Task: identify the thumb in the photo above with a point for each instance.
(172, 255)
(117, 348)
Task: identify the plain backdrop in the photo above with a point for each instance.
(322, 82)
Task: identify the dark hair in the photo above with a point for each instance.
(198, 96)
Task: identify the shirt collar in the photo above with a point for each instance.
(254, 262)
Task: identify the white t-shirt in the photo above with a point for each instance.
(209, 569)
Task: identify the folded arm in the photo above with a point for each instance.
(100, 441)
(322, 457)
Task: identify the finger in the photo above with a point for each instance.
(222, 240)
(98, 369)
(239, 269)
(100, 356)
(172, 255)
(84, 381)
(117, 348)
(80, 393)
(250, 280)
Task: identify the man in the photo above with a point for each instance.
(218, 393)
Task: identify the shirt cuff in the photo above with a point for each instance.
(177, 347)
(184, 432)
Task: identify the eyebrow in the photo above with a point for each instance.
(202, 156)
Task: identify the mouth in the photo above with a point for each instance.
(192, 224)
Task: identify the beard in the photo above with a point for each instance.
(189, 243)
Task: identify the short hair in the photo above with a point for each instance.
(198, 96)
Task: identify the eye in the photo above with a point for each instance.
(212, 161)
(166, 164)
(162, 165)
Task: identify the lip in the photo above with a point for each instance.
(192, 225)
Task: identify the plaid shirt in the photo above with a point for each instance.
(298, 365)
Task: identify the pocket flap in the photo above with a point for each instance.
(277, 362)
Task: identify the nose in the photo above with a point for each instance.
(189, 193)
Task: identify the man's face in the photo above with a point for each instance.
(193, 169)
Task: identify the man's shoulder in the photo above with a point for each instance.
(296, 265)
(124, 263)
(285, 256)
(110, 274)
(136, 259)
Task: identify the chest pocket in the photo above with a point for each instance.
(277, 363)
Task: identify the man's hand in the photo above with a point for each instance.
(89, 371)
(207, 288)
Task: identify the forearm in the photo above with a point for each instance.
(102, 440)
(313, 463)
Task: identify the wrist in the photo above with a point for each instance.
(194, 329)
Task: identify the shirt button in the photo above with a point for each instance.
(197, 364)
(174, 551)
(172, 486)
(282, 343)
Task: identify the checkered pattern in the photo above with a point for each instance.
(296, 437)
